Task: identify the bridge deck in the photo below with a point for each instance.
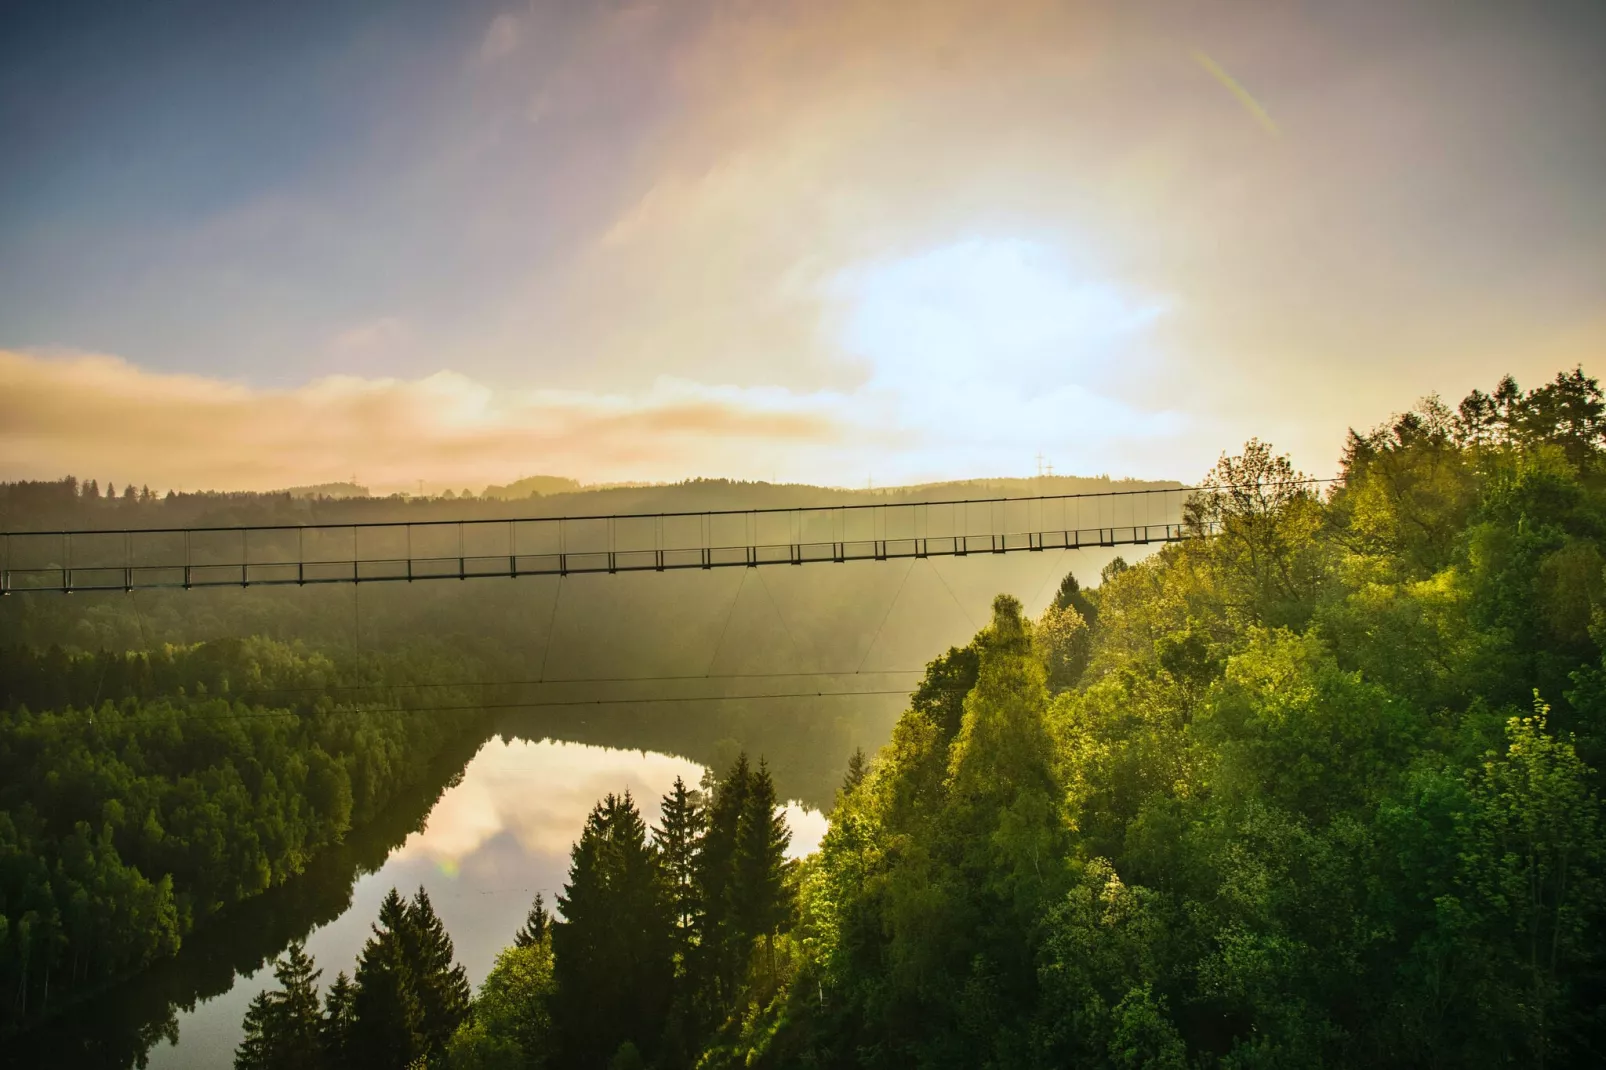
(66, 561)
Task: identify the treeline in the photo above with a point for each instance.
(141, 794)
(48, 505)
(665, 935)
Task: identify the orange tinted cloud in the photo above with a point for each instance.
(99, 415)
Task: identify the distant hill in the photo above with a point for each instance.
(532, 486)
(328, 490)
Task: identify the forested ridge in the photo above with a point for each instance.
(141, 794)
(1319, 790)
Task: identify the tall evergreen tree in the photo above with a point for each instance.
(337, 1019)
(678, 838)
(440, 986)
(614, 950)
(858, 769)
(720, 956)
(387, 1020)
(537, 928)
(759, 903)
(283, 1028)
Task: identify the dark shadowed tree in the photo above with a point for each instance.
(386, 1027)
(760, 905)
(537, 927)
(613, 952)
(679, 836)
(283, 1029)
(440, 986)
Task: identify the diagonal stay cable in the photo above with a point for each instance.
(1052, 571)
(886, 617)
(963, 612)
(728, 615)
(796, 650)
(551, 627)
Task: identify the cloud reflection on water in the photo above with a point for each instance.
(494, 840)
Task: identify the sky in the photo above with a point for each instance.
(835, 241)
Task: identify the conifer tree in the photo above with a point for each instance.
(721, 956)
(759, 905)
(386, 1017)
(440, 986)
(537, 928)
(858, 768)
(337, 1018)
(282, 1029)
(678, 838)
(613, 952)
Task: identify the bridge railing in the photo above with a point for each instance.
(65, 561)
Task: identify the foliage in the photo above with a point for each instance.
(142, 794)
(1283, 808)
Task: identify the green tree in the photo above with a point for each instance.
(511, 1024)
(760, 905)
(679, 837)
(858, 769)
(1533, 884)
(337, 1018)
(537, 928)
(283, 1029)
(721, 956)
(386, 1017)
(614, 949)
(440, 986)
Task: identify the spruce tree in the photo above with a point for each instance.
(613, 951)
(678, 838)
(714, 870)
(537, 928)
(337, 1018)
(759, 903)
(440, 986)
(386, 1018)
(858, 768)
(282, 1029)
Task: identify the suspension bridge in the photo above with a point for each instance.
(409, 551)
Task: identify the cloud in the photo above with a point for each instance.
(374, 339)
(98, 413)
(494, 796)
(501, 37)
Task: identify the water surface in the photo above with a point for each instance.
(493, 839)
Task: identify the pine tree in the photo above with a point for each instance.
(613, 952)
(337, 1018)
(760, 907)
(537, 928)
(282, 1029)
(440, 986)
(722, 953)
(678, 838)
(386, 1018)
(858, 768)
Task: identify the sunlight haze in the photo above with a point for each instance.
(832, 242)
